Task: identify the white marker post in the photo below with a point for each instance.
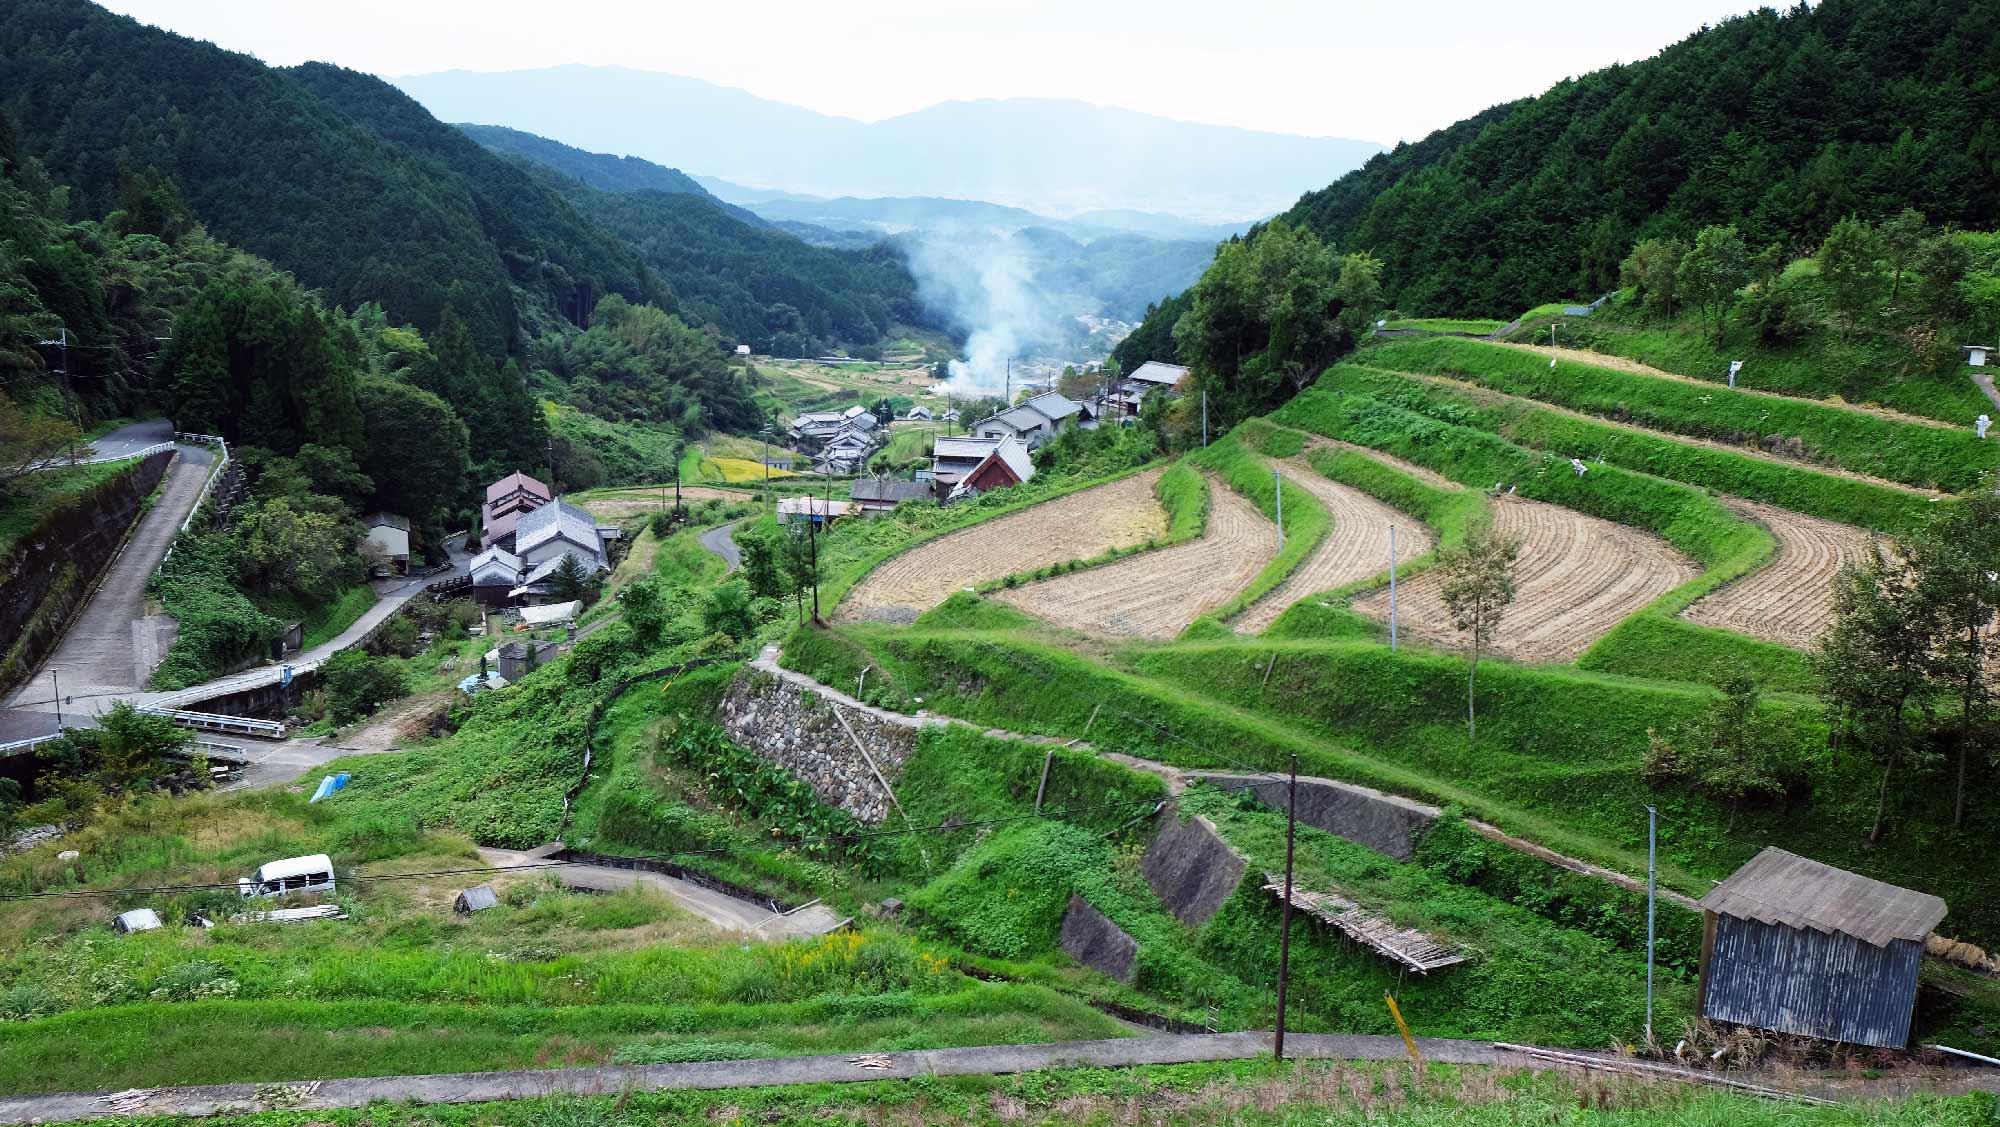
(1735, 366)
(1981, 424)
(1392, 588)
(1278, 498)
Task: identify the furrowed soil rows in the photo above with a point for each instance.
(1355, 548)
(1084, 524)
(1790, 599)
(1578, 576)
(1156, 595)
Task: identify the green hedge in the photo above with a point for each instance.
(1306, 521)
(1798, 488)
(1932, 457)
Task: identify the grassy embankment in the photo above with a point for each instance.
(31, 499)
(1306, 521)
(1823, 364)
(1445, 325)
(1930, 457)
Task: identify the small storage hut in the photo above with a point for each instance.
(1792, 945)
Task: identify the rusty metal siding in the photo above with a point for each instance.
(1811, 983)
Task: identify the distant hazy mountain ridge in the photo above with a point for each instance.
(1057, 157)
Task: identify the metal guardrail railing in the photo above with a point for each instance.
(215, 722)
(207, 487)
(14, 747)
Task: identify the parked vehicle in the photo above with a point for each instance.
(289, 876)
(138, 919)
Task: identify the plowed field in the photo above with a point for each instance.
(1356, 547)
(1155, 595)
(1577, 577)
(1789, 599)
(1079, 526)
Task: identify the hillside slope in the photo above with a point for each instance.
(1781, 123)
(330, 174)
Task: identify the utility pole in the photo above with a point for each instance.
(812, 534)
(767, 463)
(1204, 417)
(56, 677)
(76, 405)
(1285, 908)
(1652, 842)
(1392, 588)
(1007, 400)
(677, 480)
(1278, 496)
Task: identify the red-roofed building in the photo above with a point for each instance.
(507, 500)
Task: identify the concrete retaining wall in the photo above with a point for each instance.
(1387, 824)
(1191, 868)
(46, 579)
(1089, 937)
(803, 732)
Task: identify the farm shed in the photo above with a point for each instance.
(478, 898)
(1792, 945)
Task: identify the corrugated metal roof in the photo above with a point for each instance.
(1153, 371)
(879, 489)
(1777, 887)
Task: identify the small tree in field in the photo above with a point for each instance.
(1733, 751)
(1478, 586)
(1874, 667)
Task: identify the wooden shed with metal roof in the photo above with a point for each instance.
(1796, 946)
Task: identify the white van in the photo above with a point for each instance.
(292, 875)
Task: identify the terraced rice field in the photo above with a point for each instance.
(1790, 599)
(1155, 595)
(1084, 524)
(1356, 548)
(1577, 577)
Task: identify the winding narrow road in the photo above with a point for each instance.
(112, 645)
(722, 541)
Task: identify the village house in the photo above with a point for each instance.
(391, 534)
(819, 426)
(1034, 421)
(532, 548)
(1007, 463)
(846, 452)
(507, 500)
(799, 510)
(879, 495)
(919, 413)
(1129, 394)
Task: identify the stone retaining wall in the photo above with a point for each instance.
(1387, 824)
(1191, 868)
(1089, 937)
(802, 731)
(46, 579)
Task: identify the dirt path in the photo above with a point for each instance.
(401, 721)
(1790, 599)
(1156, 594)
(1578, 577)
(724, 912)
(1086, 523)
(1356, 547)
(1625, 364)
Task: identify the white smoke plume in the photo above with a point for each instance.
(983, 280)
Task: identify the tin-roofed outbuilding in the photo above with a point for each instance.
(1797, 946)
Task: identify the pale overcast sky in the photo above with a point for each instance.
(1371, 70)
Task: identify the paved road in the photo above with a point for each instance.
(484, 1087)
(1985, 383)
(112, 647)
(132, 438)
(721, 541)
(725, 912)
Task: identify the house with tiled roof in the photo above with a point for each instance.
(1034, 421)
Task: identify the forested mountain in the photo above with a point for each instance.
(602, 171)
(757, 285)
(1781, 123)
(331, 175)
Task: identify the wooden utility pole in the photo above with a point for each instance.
(1285, 909)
